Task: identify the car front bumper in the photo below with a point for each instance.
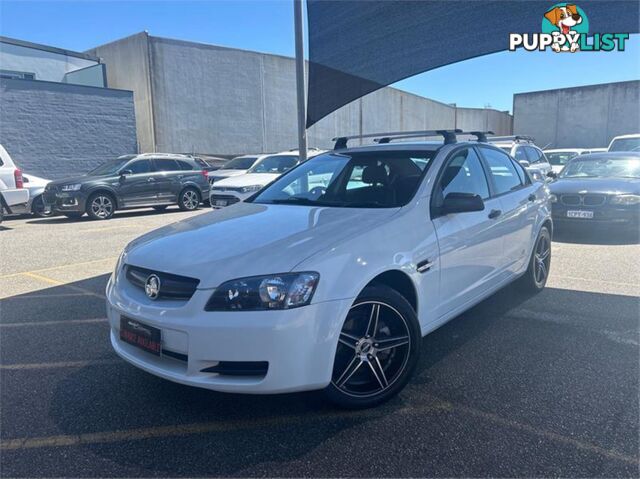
(609, 214)
(298, 344)
(64, 202)
(222, 198)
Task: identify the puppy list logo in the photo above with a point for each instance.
(565, 28)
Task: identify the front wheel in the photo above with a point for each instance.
(189, 199)
(101, 206)
(38, 209)
(377, 350)
(535, 278)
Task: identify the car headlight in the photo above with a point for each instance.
(74, 187)
(625, 200)
(553, 198)
(250, 189)
(262, 293)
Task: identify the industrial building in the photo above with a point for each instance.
(58, 117)
(578, 117)
(206, 99)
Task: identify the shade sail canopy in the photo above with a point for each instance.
(357, 47)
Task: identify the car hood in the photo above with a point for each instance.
(248, 239)
(79, 179)
(605, 186)
(248, 179)
(226, 173)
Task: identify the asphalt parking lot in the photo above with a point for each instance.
(517, 386)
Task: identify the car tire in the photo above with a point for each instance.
(189, 199)
(377, 351)
(160, 208)
(101, 206)
(535, 278)
(37, 208)
(1, 212)
(73, 215)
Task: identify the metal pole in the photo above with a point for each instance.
(300, 79)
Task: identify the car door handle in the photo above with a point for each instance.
(424, 266)
(151, 179)
(494, 214)
(532, 197)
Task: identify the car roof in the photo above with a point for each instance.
(632, 135)
(560, 150)
(428, 145)
(614, 155)
(164, 156)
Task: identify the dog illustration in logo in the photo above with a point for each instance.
(565, 18)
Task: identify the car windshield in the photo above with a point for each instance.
(274, 164)
(386, 179)
(603, 167)
(625, 144)
(560, 158)
(241, 163)
(110, 167)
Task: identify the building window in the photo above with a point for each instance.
(17, 75)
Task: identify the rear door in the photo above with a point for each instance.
(470, 243)
(136, 188)
(512, 187)
(167, 179)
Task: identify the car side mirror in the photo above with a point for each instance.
(461, 203)
(124, 173)
(552, 174)
(524, 163)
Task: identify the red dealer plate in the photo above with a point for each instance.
(141, 335)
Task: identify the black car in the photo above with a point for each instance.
(600, 188)
(131, 181)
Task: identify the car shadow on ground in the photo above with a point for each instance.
(254, 431)
(119, 214)
(584, 234)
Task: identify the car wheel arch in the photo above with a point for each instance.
(107, 191)
(399, 281)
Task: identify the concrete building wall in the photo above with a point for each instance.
(55, 130)
(223, 101)
(486, 119)
(46, 65)
(580, 117)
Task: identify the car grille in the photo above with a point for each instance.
(172, 286)
(228, 198)
(583, 200)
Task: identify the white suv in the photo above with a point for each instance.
(523, 149)
(625, 143)
(230, 190)
(330, 276)
(13, 195)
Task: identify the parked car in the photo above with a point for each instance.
(36, 186)
(332, 287)
(599, 189)
(211, 163)
(13, 195)
(154, 180)
(625, 143)
(523, 149)
(235, 167)
(561, 156)
(237, 188)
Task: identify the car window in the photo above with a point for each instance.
(520, 154)
(185, 165)
(625, 144)
(139, 167)
(384, 179)
(275, 164)
(534, 154)
(503, 172)
(463, 174)
(560, 158)
(522, 173)
(166, 165)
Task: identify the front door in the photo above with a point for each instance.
(470, 243)
(136, 186)
(167, 179)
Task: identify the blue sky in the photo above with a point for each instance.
(267, 26)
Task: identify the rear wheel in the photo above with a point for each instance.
(535, 278)
(377, 350)
(101, 206)
(189, 199)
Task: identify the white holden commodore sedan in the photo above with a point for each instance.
(329, 277)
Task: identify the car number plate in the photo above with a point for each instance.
(221, 202)
(141, 335)
(580, 214)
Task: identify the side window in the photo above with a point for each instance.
(166, 165)
(520, 154)
(522, 173)
(503, 171)
(184, 165)
(463, 174)
(533, 154)
(139, 167)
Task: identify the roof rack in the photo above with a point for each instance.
(448, 135)
(513, 138)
